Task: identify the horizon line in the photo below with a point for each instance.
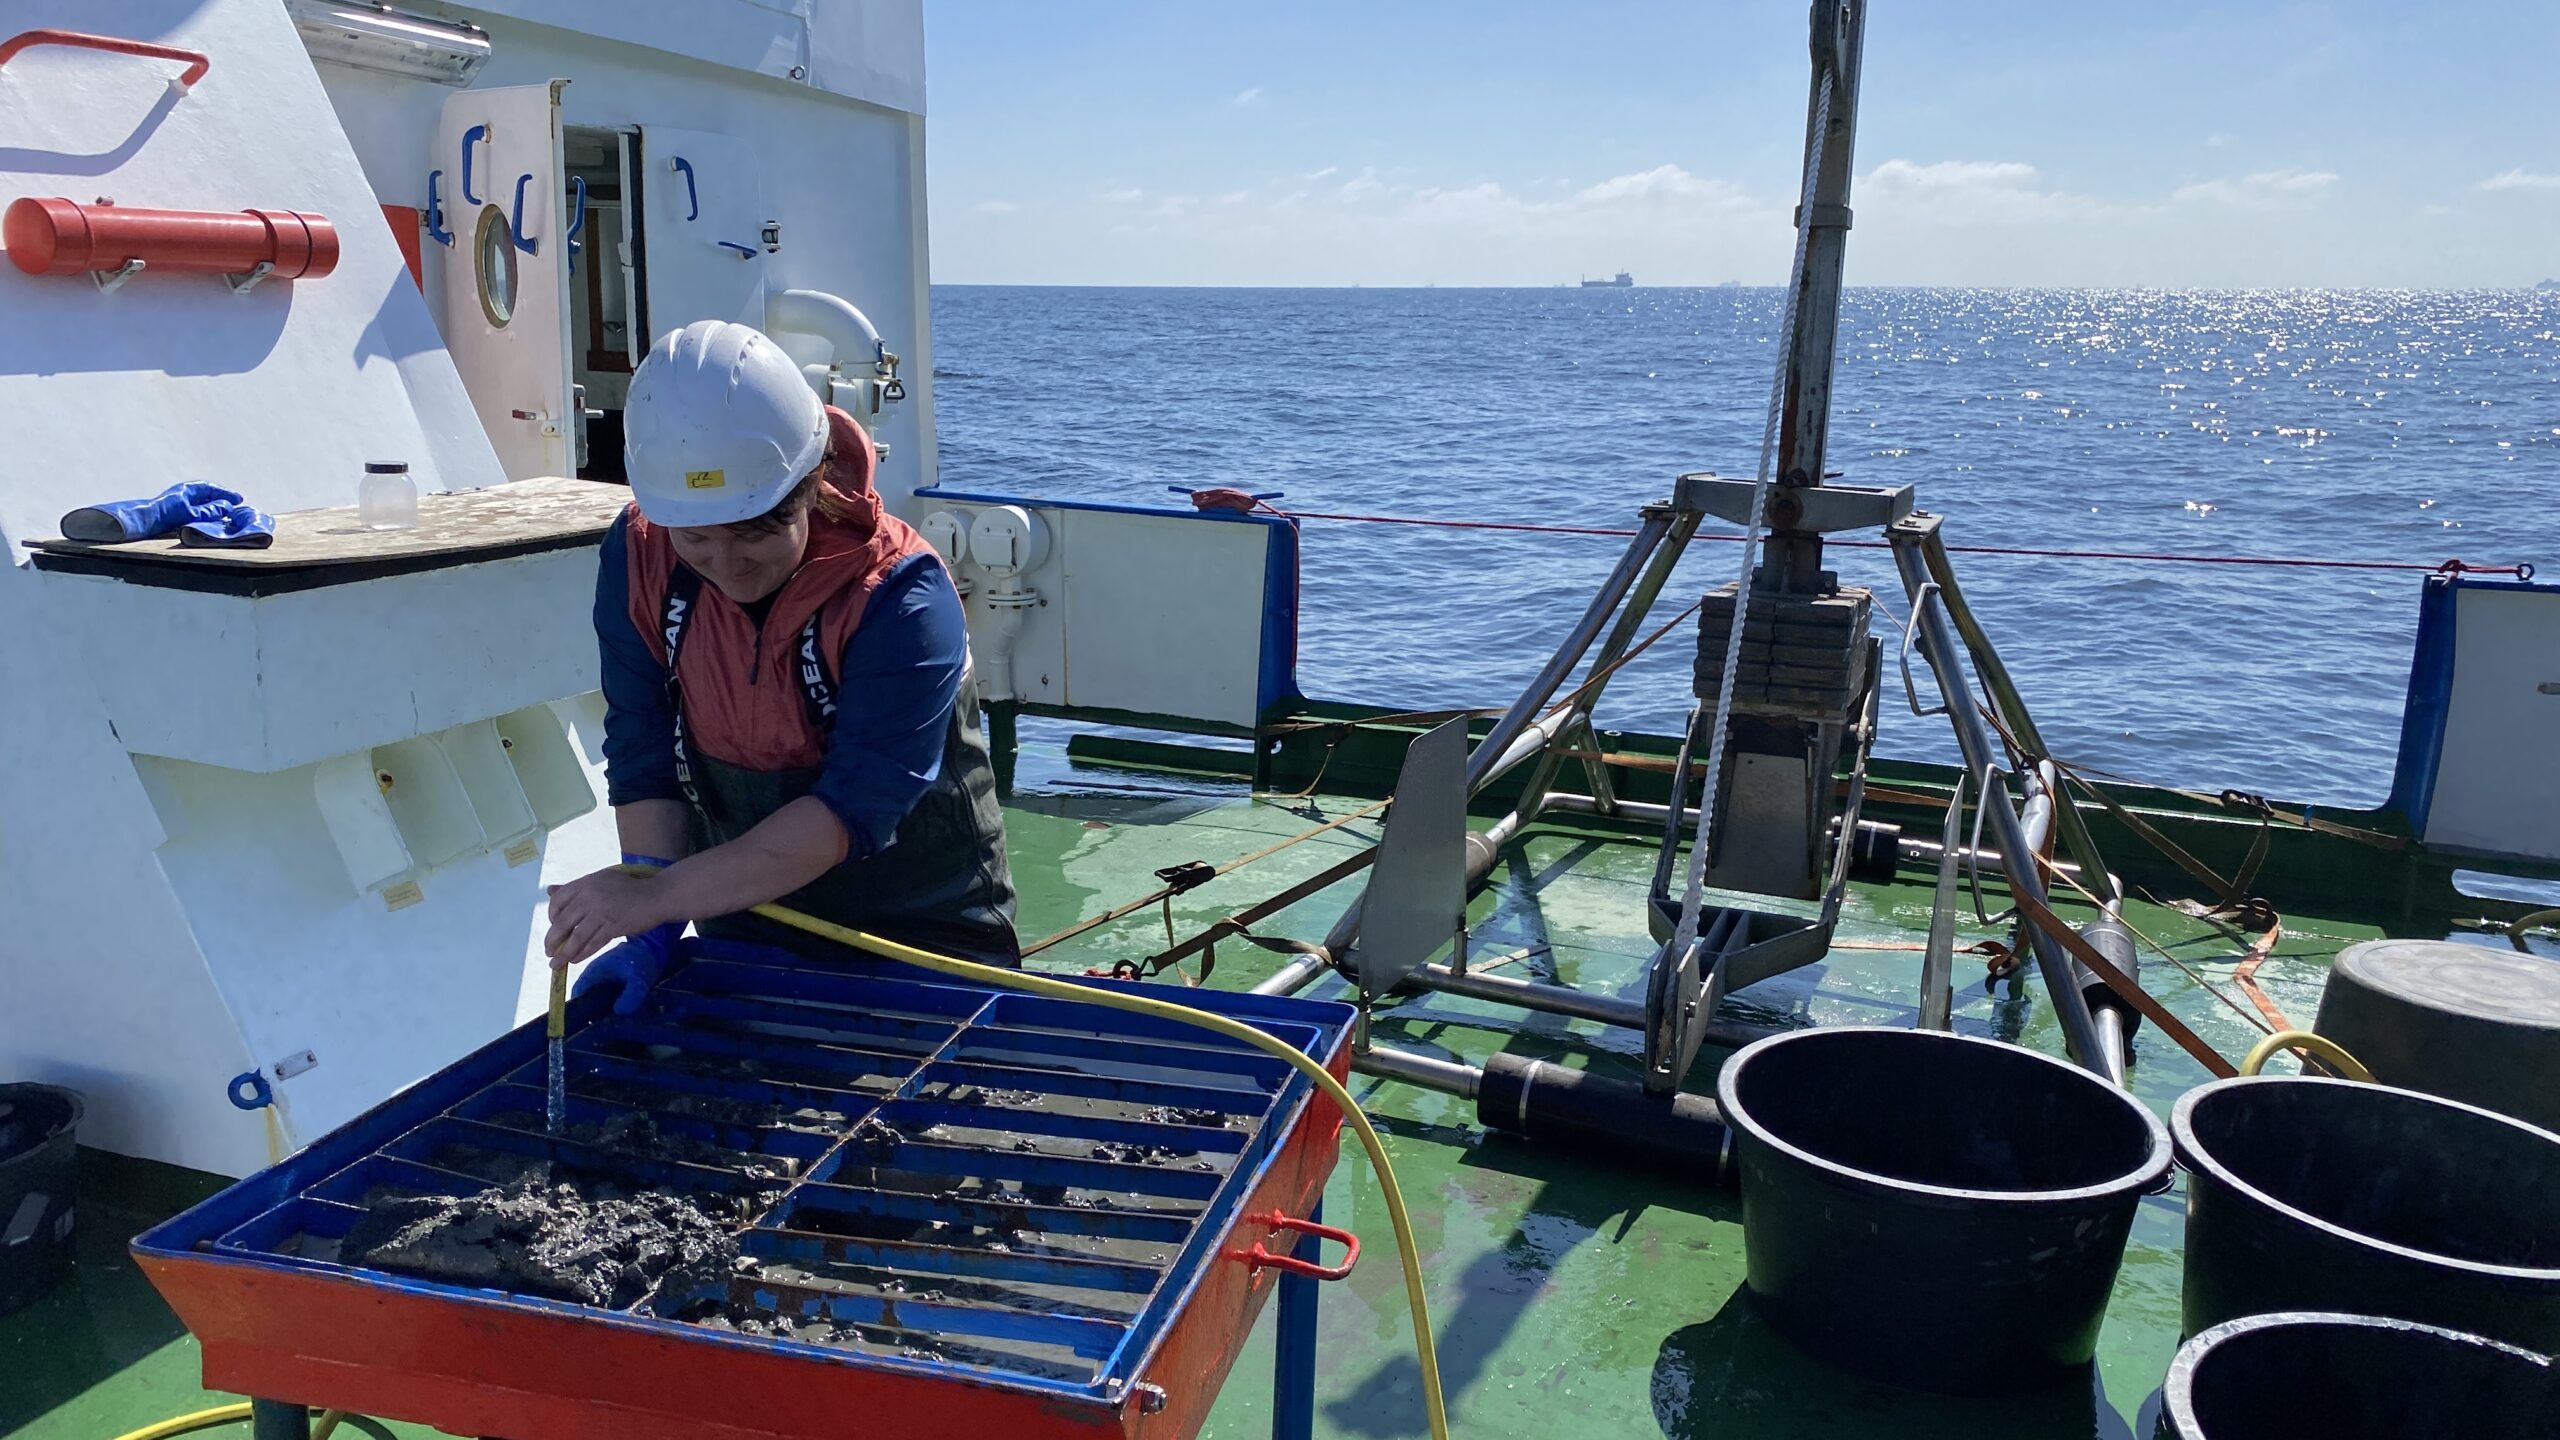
(2544, 286)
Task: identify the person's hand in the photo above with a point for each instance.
(591, 912)
(632, 967)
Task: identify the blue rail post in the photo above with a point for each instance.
(278, 1420)
(1293, 1401)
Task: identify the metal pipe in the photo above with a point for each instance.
(1631, 617)
(1908, 849)
(1531, 995)
(1794, 561)
(1301, 972)
(2006, 699)
(1571, 1003)
(2111, 1043)
(1542, 688)
(1938, 646)
(1573, 804)
(1533, 738)
(1428, 1071)
(1914, 851)
(2111, 937)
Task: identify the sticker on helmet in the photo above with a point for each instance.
(705, 479)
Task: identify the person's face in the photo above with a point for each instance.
(748, 562)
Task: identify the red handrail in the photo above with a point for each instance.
(198, 62)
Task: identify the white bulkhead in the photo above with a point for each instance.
(298, 830)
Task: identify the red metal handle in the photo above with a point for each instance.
(1257, 1257)
(198, 62)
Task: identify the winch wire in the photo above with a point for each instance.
(1433, 1403)
(1693, 898)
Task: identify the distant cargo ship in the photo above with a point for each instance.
(1622, 281)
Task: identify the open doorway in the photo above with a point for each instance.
(608, 331)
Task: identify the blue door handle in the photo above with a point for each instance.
(435, 209)
(692, 201)
(515, 222)
(470, 137)
(577, 217)
(745, 252)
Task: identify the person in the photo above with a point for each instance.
(789, 713)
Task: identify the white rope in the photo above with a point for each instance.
(1693, 900)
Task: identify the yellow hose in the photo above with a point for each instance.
(190, 1424)
(1164, 1010)
(2522, 923)
(2310, 1044)
(231, 1414)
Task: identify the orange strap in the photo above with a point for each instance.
(2125, 986)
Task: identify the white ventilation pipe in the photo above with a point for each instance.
(831, 318)
(861, 377)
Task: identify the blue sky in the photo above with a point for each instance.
(1396, 142)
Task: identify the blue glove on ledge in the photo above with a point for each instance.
(634, 964)
(198, 513)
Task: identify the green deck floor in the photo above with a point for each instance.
(1570, 1298)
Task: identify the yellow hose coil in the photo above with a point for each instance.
(2309, 1044)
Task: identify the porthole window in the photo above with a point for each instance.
(497, 266)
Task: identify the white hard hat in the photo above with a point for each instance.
(719, 426)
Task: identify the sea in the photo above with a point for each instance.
(2359, 424)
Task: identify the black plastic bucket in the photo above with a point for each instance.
(2315, 1194)
(1934, 1210)
(2296, 1374)
(2474, 1023)
(38, 1125)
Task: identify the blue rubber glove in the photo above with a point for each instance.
(238, 527)
(635, 963)
(208, 512)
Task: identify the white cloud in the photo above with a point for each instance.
(1248, 99)
(2216, 140)
(1323, 173)
(1904, 175)
(1662, 182)
(1124, 195)
(995, 207)
(2264, 190)
(1969, 192)
(2521, 180)
(2432, 209)
(1384, 223)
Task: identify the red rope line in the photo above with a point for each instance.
(2272, 561)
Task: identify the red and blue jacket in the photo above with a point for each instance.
(887, 615)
